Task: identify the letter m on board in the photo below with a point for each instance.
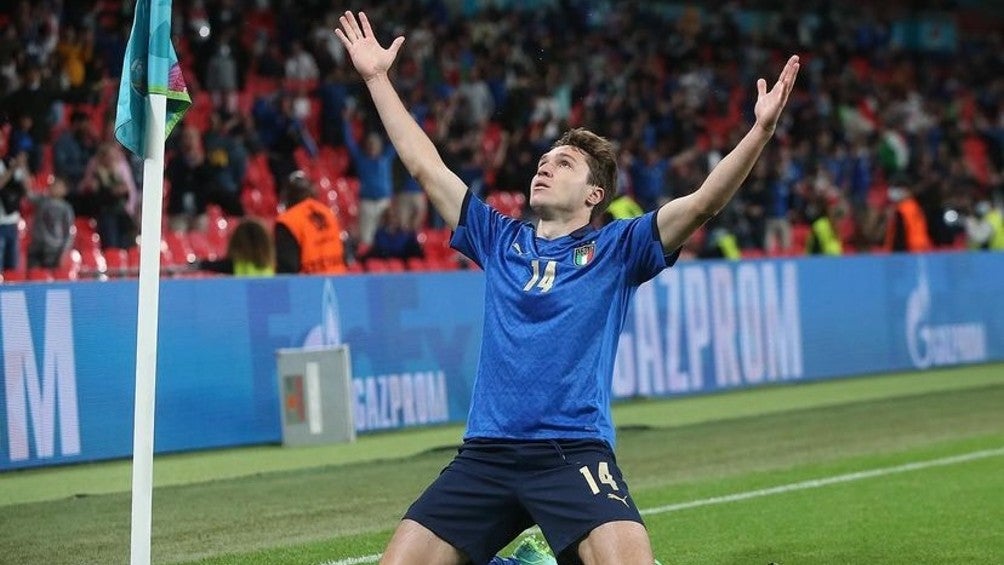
(34, 403)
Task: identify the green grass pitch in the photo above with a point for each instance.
(887, 469)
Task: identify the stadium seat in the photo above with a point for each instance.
(92, 262)
(86, 236)
(198, 242)
(117, 261)
(376, 266)
(508, 203)
(177, 246)
(416, 264)
(14, 275)
(436, 243)
(442, 264)
(395, 265)
(799, 236)
(334, 160)
(39, 274)
(69, 267)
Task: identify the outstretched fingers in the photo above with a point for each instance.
(789, 73)
(355, 25)
(785, 81)
(367, 31)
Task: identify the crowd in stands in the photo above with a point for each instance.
(895, 129)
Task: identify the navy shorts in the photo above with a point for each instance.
(495, 489)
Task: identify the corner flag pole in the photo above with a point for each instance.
(152, 99)
(146, 331)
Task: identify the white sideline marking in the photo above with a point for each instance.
(791, 487)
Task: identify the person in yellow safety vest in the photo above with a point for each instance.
(624, 207)
(907, 227)
(823, 238)
(721, 244)
(985, 229)
(996, 220)
(250, 252)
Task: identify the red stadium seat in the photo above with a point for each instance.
(334, 160)
(445, 264)
(508, 203)
(416, 264)
(14, 275)
(395, 265)
(436, 243)
(69, 267)
(92, 262)
(40, 274)
(117, 261)
(178, 248)
(198, 242)
(376, 266)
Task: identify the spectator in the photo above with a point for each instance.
(191, 179)
(109, 183)
(281, 134)
(250, 252)
(985, 227)
(334, 95)
(411, 202)
(780, 188)
(74, 51)
(71, 153)
(308, 236)
(393, 240)
(51, 228)
(221, 78)
(34, 102)
(300, 64)
(375, 169)
(906, 227)
(823, 237)
(22, 139)
(14, 181)
(622, 207)
(649, 179)
(227, 158)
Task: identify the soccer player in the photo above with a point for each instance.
(539, 441)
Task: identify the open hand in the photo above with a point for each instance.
(369, 58)
(769, 104)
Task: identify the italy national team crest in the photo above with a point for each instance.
(584, 254)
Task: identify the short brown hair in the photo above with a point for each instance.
(602, 161)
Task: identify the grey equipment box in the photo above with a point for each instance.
(315, 395)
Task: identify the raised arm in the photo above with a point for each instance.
(681, 217)
(416, 150)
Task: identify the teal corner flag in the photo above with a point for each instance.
(150, 66)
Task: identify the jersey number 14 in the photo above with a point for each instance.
(544, 281)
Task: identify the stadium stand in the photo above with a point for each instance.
(887, 92)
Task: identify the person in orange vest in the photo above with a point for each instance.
(308, 235)
(907, 226)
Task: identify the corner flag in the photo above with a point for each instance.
(151, 67)
(152, 99)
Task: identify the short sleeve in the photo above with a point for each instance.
(479, 229)
(643, 252)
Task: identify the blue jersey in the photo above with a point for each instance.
(553, 316)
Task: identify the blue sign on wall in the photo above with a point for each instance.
(68, 351)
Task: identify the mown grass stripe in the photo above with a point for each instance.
(781, 489)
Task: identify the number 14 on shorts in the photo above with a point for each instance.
(603, 472)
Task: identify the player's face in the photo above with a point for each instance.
(560, 184)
